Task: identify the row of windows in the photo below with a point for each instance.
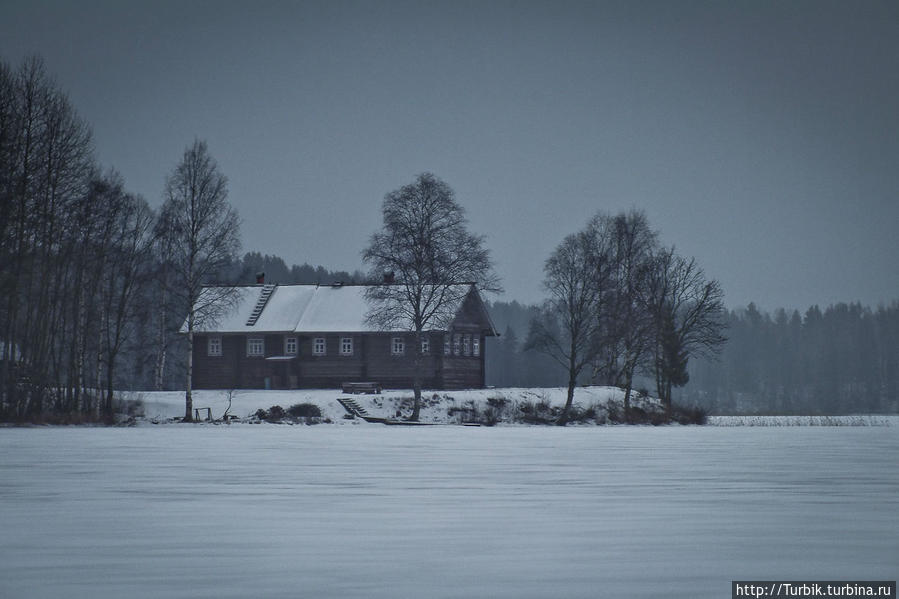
(462, 345)
(459, 345)
(320, 346)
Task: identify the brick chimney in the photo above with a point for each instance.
(260, 278)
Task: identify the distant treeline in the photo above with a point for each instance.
(843, 359)
(276, 270)
(839, 360)
(507, 362)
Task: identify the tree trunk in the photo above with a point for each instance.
(628, 384)
(416, 378)
(107, 402)
(416, 410)
(188, 396)
(160, 356)
(98, 377)
(566, 411)
(668, 400)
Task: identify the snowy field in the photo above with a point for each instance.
(372, 511)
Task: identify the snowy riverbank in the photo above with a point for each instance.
(438, 407)
(450, 407)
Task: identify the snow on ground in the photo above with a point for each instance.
(381, 512)
(162, 406)
(436, 404)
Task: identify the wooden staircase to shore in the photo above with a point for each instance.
(352, 407)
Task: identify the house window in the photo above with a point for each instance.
(457, 344)
(214, 346)
(466, 345)
(425, 345)
(398, 346)
(318, 346)
(446, 344)
(255, 346)
(290, 346)
(476, 345)
(346, 346)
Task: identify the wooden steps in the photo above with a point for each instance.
(264, 294)
(352, 407)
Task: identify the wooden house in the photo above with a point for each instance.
(312, 336)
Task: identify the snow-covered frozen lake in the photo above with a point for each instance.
(377, 512)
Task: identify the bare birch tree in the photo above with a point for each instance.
(426, 245)
(630, 326)
(204, 238)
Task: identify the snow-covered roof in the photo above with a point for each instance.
(303, 309)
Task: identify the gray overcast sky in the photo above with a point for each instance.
(760, 137)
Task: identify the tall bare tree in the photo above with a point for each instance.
(578, 277)
(204, 233)
(425, 243)
(630, 331)
(688, 314)
(127, 269)
(45, 163)
(618, 300)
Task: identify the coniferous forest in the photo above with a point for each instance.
(839, 360)
(842, 359)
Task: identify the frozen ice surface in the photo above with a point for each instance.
(386, 512)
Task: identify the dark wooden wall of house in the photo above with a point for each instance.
(332, 369)
(372, 360)
(234, 369)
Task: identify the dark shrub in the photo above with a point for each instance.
(577, 414)
(540, 413)
(497, 402)
(128, 407)
(304, 410)
(615, 412)
(276, 413)
(261, 414)
(466, 413)
(658, 417)
(638, 415)
(691, 415)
